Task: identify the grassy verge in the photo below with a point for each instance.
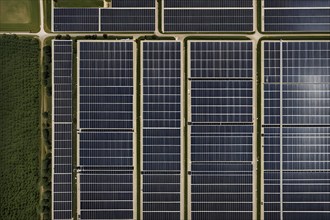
(160, 16)
(79, 3)
(20, 133)
(19, 15)
(48, 15)
(46, 148)
(259, 17)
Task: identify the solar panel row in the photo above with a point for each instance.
(161, 130)
(196, 16)
(221, 130)
(76, 20)
(208, 16)
(133, 3)
(296, 16)
(62, 130)
(106, 129)
(296, 129)
(122, 19)
(206, 3)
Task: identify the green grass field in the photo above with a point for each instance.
(79, 3)
(19, 130)
(19, 15)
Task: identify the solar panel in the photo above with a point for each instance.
(106, 194)
(76, 20)
(208, 16)
(221, 172)
(221, 81)
(104, 149)
(161, 130)
(123, 16)
(106, 84)
(106, 129)
(221, 130)
(296, 16)
(62, 129)
(133, 3)
(296, 129)
(128, 20)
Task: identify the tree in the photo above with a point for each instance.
(45, 115)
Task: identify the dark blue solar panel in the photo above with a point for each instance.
(106, 195)
(305, 77)
(296, 154)
(106, 155)
(297, 3)
(62, 130)
(222, 172)
(106, 85)
(221, 155)
(128, 20)
(305, 171)
(207, 3)
(221, 81)
(161, 130)
(208, 20)
(221, 101)
(133, 3)
(297, 16)
(76, 20)
(106, 149)
(221, 59)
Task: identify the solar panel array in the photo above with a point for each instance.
(296, 130)
(123, 16)
(221, 130)
(122, 20)
(62, 129)
(106, 129)
(208, 16)
(76, 20)
(133, 3)
(296, 15)
(161, 130)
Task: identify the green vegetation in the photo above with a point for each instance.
(19, 15)
(160, 16)
(46, 178)
(19, 130)
(78, 3)
(48, 15)
(46, 146)
(155, 37)
(47, 69)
